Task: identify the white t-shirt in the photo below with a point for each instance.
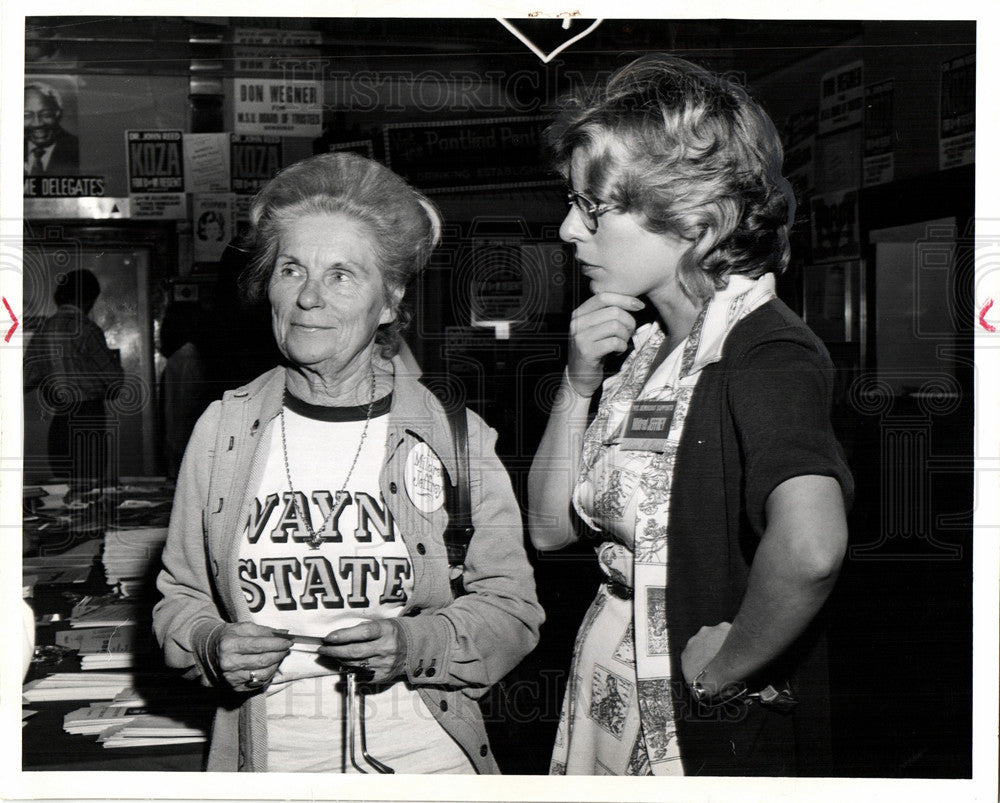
(361, 571)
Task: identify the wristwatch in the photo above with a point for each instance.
(705, 697)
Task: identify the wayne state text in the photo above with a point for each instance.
(309, 580)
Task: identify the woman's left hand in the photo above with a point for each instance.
(374, 646)
(701, 649)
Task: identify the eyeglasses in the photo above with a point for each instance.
(589, 209)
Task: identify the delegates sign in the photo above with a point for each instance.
(274, 106)
(469, 154)
(63, 186)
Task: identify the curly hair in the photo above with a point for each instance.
(404, 225)
(692, 153)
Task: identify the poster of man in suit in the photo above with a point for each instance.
(49, 108)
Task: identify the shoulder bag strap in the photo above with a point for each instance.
(457, 499)
(460, 529)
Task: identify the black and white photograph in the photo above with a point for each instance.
(50, 148)
(517, 395)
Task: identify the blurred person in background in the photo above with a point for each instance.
(185, 389)
(68, 361)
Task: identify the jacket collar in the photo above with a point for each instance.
(414, 409)
(267, 390)
(728, 306)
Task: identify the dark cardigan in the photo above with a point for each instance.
(758, 417)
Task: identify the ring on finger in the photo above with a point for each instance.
(254, 681)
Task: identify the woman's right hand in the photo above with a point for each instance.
(244, 648)
(600, 326)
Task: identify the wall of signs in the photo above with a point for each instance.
(879, 115)
(107, 148)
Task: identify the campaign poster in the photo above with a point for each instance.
(270, 51)
(212, 223)
(206, 163)
(957, 145)
(51, 143)
(288, 108)
(841, 98)
(469, 154)
(155, 166)
(836, 231)
(254, 160)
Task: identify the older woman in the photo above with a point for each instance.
(709, 479)
(310, 508)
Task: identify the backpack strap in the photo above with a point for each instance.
(457, 498)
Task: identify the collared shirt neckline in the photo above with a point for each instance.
(716, 319)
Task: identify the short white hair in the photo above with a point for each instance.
(50, 93)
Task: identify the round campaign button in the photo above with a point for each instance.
(424, 478)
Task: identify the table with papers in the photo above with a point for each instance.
(97, 695)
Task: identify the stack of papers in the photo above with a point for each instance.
(90, 640)
(152, 731)
(32, 497)
(129, 720)
(98, 717)
(78, 686)
(131, 555)
(71, 566)
(141, 505)
(107, 661)
(108, 610)
(56, 511)
(108, 647)
(52, 497)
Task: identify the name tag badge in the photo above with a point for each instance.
(647, 426)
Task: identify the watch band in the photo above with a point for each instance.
(782, 700)
(703, 696)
